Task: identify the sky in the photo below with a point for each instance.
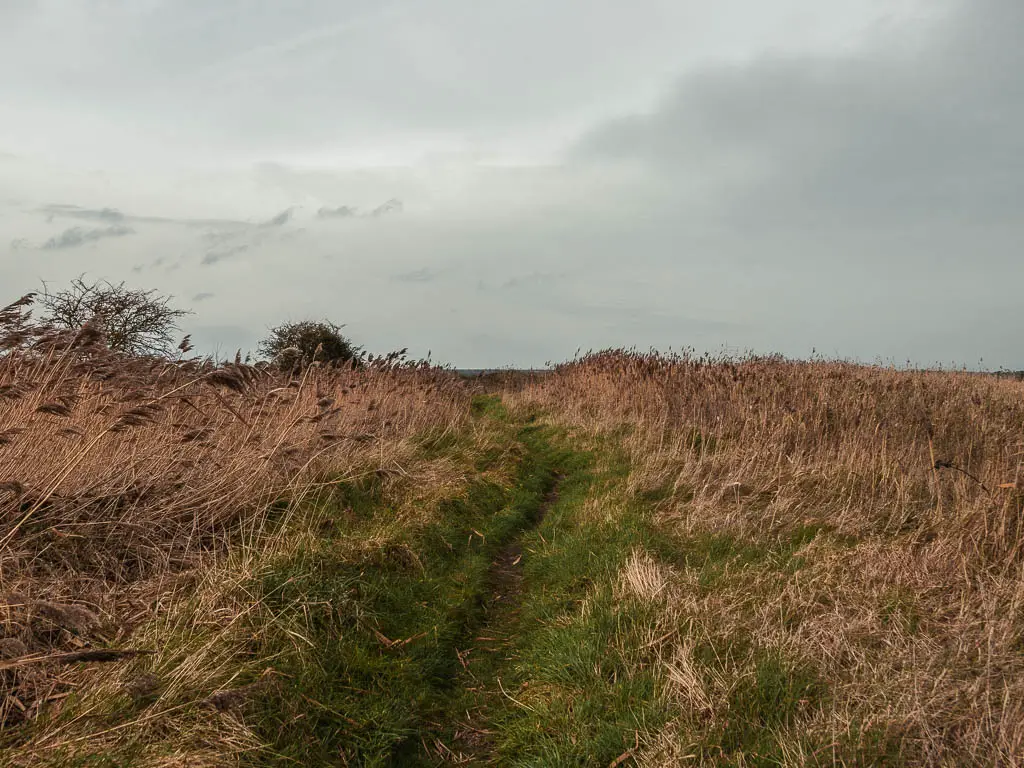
(506, 183)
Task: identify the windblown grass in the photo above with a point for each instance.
(749, 562)
(841, 576)
(139, 496)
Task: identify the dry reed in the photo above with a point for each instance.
(898, 502)
(127, 485)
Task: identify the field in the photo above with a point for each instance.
(630, 560)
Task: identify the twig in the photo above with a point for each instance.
(514, 700)
(95, 655)
(942, 464)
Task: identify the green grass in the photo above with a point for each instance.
(555, 669)
(398, 643)
(380, 657)
(576, 692)
(401, 636)
(762, 703)
(366, 646)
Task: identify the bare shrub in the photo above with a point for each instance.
(131, 321)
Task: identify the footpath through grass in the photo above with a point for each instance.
(493, 635)
(526, 609)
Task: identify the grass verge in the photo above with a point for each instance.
(365, 648)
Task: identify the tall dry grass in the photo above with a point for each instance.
(127, 485)
(865, 521)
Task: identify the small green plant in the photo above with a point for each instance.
(772, 697)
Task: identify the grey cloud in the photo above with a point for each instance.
(626, 315)
(280, 219)
(212, 257)
(422, 275)
(292, 234)
(743, 208)
(228, 236)
(884, 137)
(391, 206)
(114, 215)
(203, 296)
(256, 76)
(160, 261)
(232, 240)
(534, 278)
(15, 10)
(387, 208)
(76, 236)
(222, 235)
(111, 215)
(341, 212)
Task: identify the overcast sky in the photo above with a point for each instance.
(502, 183)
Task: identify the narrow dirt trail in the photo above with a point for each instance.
(487, 657)
(473, 647)
(506, 576)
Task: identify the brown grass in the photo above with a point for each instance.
(863, 523)
(136, 494)
(872, 522)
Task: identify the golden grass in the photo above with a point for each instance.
(864, 522)
(873, 530)
(137, 497)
